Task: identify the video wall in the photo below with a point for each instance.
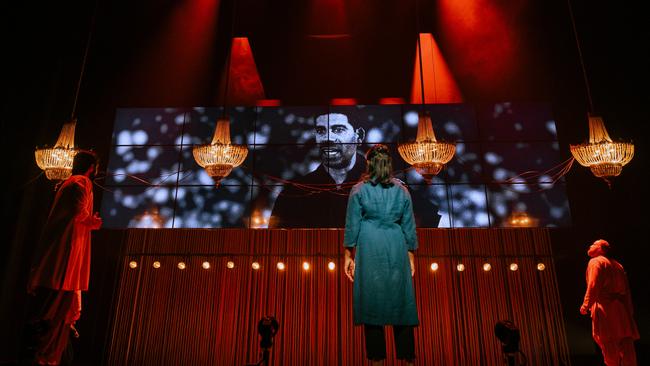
(302, 161)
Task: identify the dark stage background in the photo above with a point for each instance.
(140, 55)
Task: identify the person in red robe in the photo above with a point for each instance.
(609, 301)
(61, 267)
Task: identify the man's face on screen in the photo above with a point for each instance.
(337, 139)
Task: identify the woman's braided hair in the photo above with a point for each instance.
(379, 165)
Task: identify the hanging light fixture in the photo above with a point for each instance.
(219, 157)
(521, 219)
(427, 155)
(57, 161)
(150, 219)
(603, 156)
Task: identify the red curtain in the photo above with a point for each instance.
(196, 316)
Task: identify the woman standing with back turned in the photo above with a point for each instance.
(380, 227)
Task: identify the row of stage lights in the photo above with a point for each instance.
(230, 265)
(306, 266)
(487, 267)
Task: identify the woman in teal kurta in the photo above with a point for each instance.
(381, 229)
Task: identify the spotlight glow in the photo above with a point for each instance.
(541, 266)
(133, 264)
(514, 266)
(206, 265)
(281, 266)
(331, 266)
(460, 267)
(230, 265)
(434, 266)
(156, 264)
(305, 266)
(255, 266)
(487, 267)
(181, 265)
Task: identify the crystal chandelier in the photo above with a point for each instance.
(219, 157)
(521, 219)
(57, 161)
(603, 156)
(427, 155)
(149, 219)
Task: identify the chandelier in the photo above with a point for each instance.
(604, 157)
(427, 155)
(219, 157)
(57, 161)
(149, 219)
(521, 219)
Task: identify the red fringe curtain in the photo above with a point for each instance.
(196, 316)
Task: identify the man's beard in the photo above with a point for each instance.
(334, 155)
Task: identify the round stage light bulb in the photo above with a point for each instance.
(133, 264)
(305, 266)
(514, 267)
(255, 266)
(487, 267)
(181, 265)
(156, 264)
(434, 266)
(230, 264)
(541, 266)
(206, 265)
(460, 267)
(331, 266)
(281, 266)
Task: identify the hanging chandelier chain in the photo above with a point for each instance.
(417, 22)
(84, 60)
(580, 56)
(229, 59)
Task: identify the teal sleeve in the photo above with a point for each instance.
(352, 220)
(408, 224)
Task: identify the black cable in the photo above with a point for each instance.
(85, 58)
(229, 60)
(417, 22)
(582, 62)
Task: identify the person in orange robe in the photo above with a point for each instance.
(61, 267)
(609, 301)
